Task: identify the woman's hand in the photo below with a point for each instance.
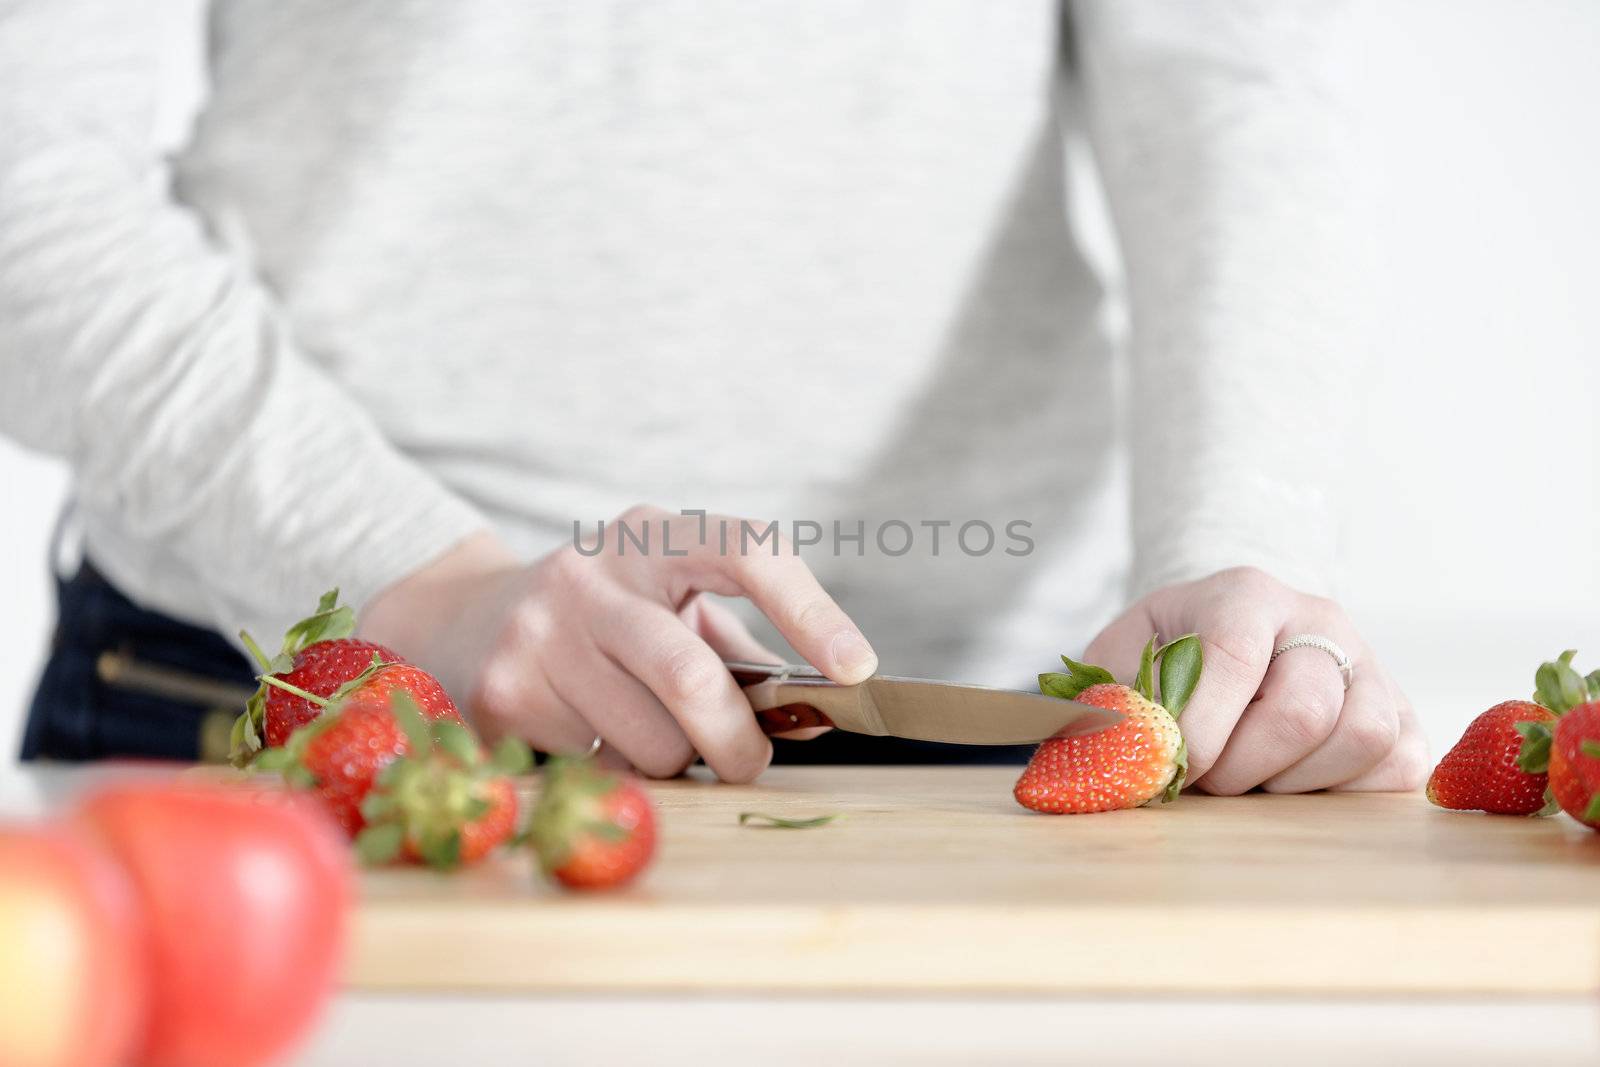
(617, 645)
(1288, 726)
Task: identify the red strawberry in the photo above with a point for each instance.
(592, 829)
(444, 804)
(1139, 760)
(342, 751)
(318, 656)
(1575, 763)
(1570, 750)
(1481, 774)
(321, 669)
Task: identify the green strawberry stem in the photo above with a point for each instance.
(1560, 688)
(779, 822)
(1534, 756)
(290, 687)
(1144, 683)
(255, 651)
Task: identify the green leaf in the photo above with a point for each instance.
(456, 741)
(1079, 676)
(442, 853)
(1590, 749)
(606, 830)
(1534, 757)
(1144, 683)
(1557, 686)
(1592, 684)
(1181, 663)
(377, 806)
(299, 777)
(273, 759)
(1592, 812)
(255, 651)
(377, 845)
(511, 756)
(782, 823)
(1551, 806)
(404, 708)
(327, 623)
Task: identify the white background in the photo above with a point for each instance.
(1474, 541)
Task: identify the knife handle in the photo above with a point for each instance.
(785, 717)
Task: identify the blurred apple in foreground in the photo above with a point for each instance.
(244, 891)
(71, 975)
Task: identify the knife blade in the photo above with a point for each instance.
(786, 697)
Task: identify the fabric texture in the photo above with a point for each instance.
(416, 269)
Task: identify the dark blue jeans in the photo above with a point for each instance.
(122, 681)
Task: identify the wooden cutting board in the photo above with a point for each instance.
(935, 880)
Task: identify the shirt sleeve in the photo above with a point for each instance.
(1225, 136)
(160, 367)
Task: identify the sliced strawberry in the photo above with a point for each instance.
(1139, 760)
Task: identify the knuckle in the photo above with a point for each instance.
(497, 692)
(1373, 733)
(741, 767)
(1244, 653)
(1202, 758)
(666, 760)
(527, 625)
(1321, 607)
(1306, 721)
(639, 513)
(814, 614)
(1249, 580)
(688, 674)
(571, 571)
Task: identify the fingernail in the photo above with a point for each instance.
(852, 656)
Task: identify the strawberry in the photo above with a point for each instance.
(318, 656)
(592, 829)
(1569, 751)
(443, 804)
(1575, 763)
(1139, 760)
(342, 751)
(1481, 773)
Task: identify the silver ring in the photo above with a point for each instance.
(594, 747)
(1347, 669)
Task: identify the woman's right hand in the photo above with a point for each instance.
(617, 643)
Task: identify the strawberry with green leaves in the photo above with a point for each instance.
(444, 803)
(318, 656)
(1139, 760)
(592, 829)
(1568, 750)
(355, 735)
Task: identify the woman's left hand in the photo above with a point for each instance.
(1288, 725)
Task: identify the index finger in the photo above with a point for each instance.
(782, 586)
(1236, 655)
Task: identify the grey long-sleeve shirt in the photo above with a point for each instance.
(418, 268)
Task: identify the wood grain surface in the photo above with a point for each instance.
(935, 880)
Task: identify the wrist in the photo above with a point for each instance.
(416, 615)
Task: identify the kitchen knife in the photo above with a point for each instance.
(787, 697)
